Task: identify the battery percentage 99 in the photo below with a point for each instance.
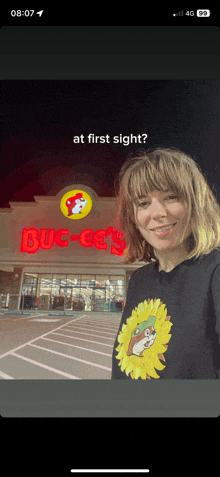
(203, 13)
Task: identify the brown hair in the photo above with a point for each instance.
(146, 172)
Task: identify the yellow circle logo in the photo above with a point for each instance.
(76, 204)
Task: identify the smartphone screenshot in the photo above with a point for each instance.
(110, 178)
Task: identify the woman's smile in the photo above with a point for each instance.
(161, 232)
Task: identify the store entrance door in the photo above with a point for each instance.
(28, 297)
(62, 300)
(68, 298)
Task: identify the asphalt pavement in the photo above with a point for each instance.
(39, 346)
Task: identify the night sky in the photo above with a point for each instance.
(41, 118)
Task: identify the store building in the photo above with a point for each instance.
(63, 253)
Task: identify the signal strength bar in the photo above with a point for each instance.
(179, 14)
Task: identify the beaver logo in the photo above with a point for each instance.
(75, 204)
(142, 337)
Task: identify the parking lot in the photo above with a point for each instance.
(40, 346)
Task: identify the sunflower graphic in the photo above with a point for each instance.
(143, 340)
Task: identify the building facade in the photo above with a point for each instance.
(63, 253)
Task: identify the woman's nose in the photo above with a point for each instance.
(157, 210)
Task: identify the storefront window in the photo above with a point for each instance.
(72, 292)
(29, 279)
(72, 280)
(4, 300)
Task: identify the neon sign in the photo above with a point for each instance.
(46, 238)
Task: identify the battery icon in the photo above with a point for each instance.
(203, 13)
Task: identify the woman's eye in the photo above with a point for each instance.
(146, 203)
(172, 197)
(143, 204)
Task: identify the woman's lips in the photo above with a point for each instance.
(163, 232)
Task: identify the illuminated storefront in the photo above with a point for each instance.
(63, 253)
(79, 292)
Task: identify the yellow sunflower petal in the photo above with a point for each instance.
(121, 354)
(136, 373)
(128, 370)
(120, 338)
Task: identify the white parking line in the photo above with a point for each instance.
(45, 366)
(35, 339)
(71, 357)
(89, 329)
(65, 328)
(34, 316)
(104, 318)
(82, 339)
(5, 376)
(90, 334)
(102, 321)
(75, 346)
(46, 320)
(21, 317)
(106, 326)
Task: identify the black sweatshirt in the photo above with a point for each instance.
(174, 334)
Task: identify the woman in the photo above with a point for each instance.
(170, 218)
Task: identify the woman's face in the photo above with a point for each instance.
(157, 211)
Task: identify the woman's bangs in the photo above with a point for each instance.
(138, 187)
(146, 181)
